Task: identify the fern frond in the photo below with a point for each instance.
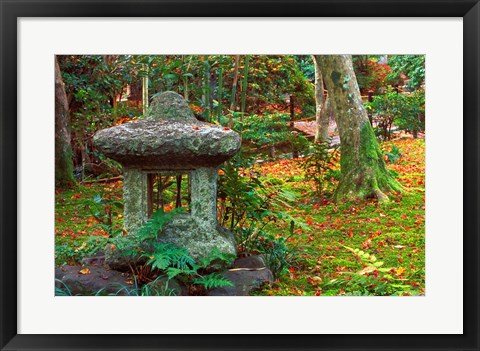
(213, 280)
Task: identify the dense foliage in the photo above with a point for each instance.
(407, 111)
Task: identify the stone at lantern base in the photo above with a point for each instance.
(185, 231)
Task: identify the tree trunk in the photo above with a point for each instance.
(63, 149)
(363, 170)
(322, 109)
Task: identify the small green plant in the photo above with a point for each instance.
(67, 252)
(372, 279)
(102, 207)
(244, 199)
(394, 154)
(152, 288)
(61, 289)
(278, 255)
(319, 165)
(135, 247)
(196, 273)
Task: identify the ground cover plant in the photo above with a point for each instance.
(327, 218)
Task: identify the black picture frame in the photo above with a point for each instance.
(11, 10)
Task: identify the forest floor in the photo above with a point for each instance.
(344, 249)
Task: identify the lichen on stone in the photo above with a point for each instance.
(170, 105)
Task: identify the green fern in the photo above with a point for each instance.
(155, 224)
(394, 154)
(166, 255)
(215, 255)
(173, 272)
(212, 281)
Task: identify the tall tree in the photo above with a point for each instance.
(322, 104)
(363, 170)
(63, 149)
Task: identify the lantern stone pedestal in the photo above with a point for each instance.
(170, 138)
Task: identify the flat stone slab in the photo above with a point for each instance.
(89, 280)
(249, 262)
(248, 274)
(245, 280)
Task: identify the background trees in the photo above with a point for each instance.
(256, 94)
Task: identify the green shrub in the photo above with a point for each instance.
(102, 207)
(405, 110)
(244, 199)
(412, 118)
(319, 165)
(269, 129)
(394, 154)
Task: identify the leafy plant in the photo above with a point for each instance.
(319, 165)
(412, 117)
(372, 279)
(136, 246)
(245, 199)
(411, 65)
(276, 252)
(167, 259)
(406, 110)
(394, 154)
(61, 289)
(196, 273)
(102, 207)
(269, 129)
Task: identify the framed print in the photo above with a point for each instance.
(402, 275)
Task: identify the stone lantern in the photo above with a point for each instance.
(171, 140)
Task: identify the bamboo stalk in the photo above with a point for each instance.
(234, 85)
(245, 84)
(206, 88)
(220, 87)
(145, 90)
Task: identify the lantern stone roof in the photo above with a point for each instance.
(169, 138)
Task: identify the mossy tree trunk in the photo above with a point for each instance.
(63, 149)
(363, 170)
(321, 102)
